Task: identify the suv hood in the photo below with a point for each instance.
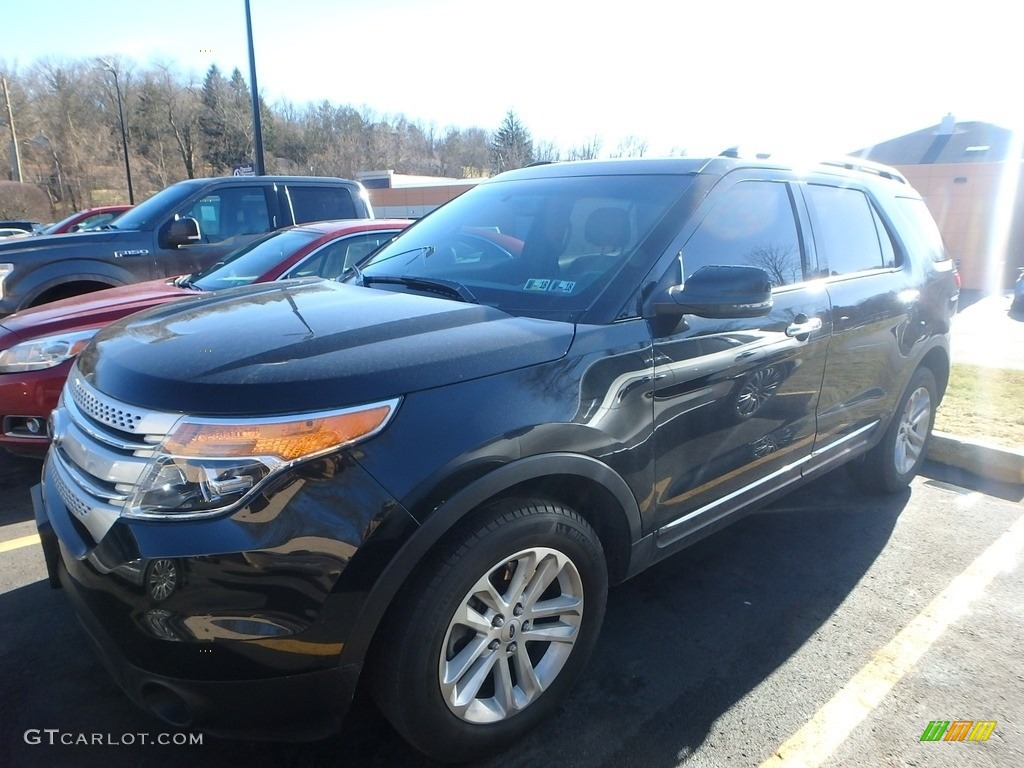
(308, 345)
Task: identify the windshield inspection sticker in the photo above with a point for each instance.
(557, 286)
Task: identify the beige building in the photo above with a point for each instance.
(401, 196)
(970, 174)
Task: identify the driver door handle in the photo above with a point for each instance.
(802, 326)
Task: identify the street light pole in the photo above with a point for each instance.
(124, 133)
(257, 127)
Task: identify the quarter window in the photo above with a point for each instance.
(752, 224)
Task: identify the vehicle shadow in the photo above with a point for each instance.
(17, 475)
(681, 644)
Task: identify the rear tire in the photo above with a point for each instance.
(490, 637)
(894, 462)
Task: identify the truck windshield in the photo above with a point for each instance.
(541, 246)
(145, 214)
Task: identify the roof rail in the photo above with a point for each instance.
(849, 163)
(867, 166)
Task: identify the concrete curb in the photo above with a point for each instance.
(1003, 464)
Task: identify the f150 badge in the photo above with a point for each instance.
(137, 252)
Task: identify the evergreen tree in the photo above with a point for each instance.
(225, 120)
(511, 145)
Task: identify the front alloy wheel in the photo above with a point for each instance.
(489, 636)
(511, 635)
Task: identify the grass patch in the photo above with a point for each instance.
(984, 404)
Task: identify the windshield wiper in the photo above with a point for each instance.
(451, 288)
(185, 281)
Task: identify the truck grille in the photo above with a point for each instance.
(100, 449)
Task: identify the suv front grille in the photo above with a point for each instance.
(102, 409)
(101, 447)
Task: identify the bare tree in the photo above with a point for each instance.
(782, 263)
(588, 150)
(631, 146)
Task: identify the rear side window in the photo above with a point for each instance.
(921, 231)
(752, 224)
(848, 232)
(321, 204)
(334, 258)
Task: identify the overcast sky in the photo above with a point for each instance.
(821, 78)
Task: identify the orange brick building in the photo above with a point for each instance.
(970, 175)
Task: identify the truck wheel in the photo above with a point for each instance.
(491, 636)
(892, 464)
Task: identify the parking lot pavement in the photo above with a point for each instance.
(828, 629)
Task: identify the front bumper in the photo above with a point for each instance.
(245, 643)
(29, 395)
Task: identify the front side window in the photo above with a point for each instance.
(849, 235)
(753, 225)
(230, 212)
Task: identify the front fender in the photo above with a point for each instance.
(424, 538)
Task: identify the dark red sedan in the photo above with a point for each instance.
(90, 218)
(38, 345)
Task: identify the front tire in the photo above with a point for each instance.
(894, 462)
(488, 640)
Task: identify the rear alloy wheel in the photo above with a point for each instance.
(486, 644)
(894, 462)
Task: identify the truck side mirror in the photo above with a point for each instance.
(720, 291)
(183, 231)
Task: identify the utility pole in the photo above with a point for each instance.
(257, 127)
(14, 135)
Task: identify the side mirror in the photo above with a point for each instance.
(718, 291)
(183, 231)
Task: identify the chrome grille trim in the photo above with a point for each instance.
(97, 460)
(85, 426)
(83, 481)
(115, 415)
(101, 449)
(97, 517)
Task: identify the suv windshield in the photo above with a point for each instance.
(246, 264)
(531, 246)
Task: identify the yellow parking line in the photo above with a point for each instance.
(833, 723)
(24, 541)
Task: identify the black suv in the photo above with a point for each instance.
(426, 476)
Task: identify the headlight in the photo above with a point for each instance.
(45, 352)
(205, 465)
(5, 270)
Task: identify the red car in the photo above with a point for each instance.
(38, 345)
(90, 218)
